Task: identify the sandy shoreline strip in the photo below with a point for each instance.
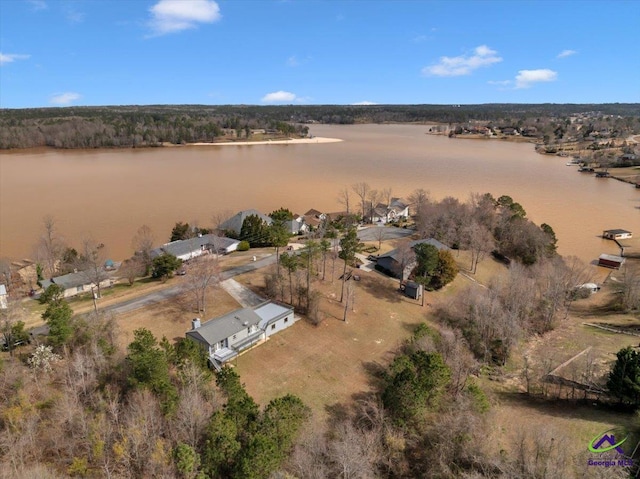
(296, 141)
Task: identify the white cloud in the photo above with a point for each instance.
(566, 53)
(482, 56)
(38, 5)
(280, 97)
(11, 57)
(296, 61)
(64, 98)
(526, 78)
(364, 103)
(170, 16)
(499, 82)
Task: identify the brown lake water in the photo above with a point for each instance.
(109, 194)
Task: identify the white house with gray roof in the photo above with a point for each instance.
(194, 247)
(77, 283)
(227, 336)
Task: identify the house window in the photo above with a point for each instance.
(273, 326)
(286, 320)
(79, 289)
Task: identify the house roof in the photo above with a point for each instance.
(612, 257)
(312, 212)
(67, 281)
(235, 222)
(270, 312)
(617, 232)
(182, 247)
(217, 329)
(3, 290)
(393, 253)
(398, 203)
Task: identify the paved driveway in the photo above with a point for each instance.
(389, 233)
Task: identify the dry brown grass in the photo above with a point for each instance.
(172, 318)
(331, 362)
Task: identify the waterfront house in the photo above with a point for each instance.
(194, 247)
(610, 261)
(617, 234)
(77, 283)
(399, 264)
(235, 222)
(224, 337)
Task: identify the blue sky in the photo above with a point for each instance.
(99, 52)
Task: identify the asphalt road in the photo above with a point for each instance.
(168, 293)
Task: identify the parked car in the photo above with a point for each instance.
(181, 272)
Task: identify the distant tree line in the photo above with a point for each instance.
(138, 126)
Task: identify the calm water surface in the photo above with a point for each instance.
(108, 194)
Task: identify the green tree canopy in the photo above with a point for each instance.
(414, 384)
(149, 368)
(163, 266)
(180, 231)
(255, 231)
(58, 318)
(281, 214)
(53, 294)
(624, 378)
(426, 262)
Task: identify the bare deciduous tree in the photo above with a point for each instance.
(344, 198)
(50, 246)
(418, 200)
(142, 244)
(480, 242)
(92, 263)
(202, 274)
(362, 191)
(629, 286)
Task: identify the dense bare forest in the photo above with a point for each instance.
(141, 126)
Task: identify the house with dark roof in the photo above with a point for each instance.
(400, 262)
(235, 222)
(225, 337)
(194, 247)
(77, 283)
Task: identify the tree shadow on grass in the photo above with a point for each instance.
(586, 409)
(387, 293)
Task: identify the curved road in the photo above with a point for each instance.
(168, 293)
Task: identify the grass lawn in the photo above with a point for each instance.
(329, 363)
(172, 318)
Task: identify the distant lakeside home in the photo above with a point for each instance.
(225, 337)
(399, 262)
(77, 283)
(193, 247)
